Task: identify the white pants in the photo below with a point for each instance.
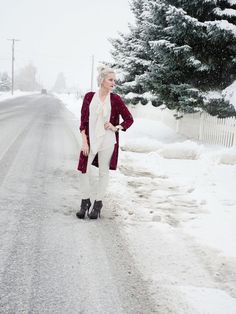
(87, 179)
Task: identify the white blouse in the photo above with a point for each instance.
(99, 114)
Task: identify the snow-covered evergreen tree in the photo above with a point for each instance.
(178, 50)
(60, 83)
(131, 58)
(193, 56)
(5, 82)
(216, 42)
(208, 10)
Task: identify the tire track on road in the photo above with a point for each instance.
(10, 154)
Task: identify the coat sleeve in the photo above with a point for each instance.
(125, 114)
(84, 118)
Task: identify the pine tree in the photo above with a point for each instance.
(131, 58)
(5, 82)
(60, 83)
(209, 10)
(217, 48)
(192, 56)
(177, 51)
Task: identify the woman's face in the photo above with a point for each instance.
(109, 82)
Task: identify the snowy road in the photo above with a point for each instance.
(50, 262)
(138, 257)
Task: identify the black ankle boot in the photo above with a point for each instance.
(96, 210)
(85, 205)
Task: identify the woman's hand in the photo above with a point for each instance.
(109, 126)
(85, 148)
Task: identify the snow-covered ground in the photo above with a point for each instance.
(169, 188)
(176, 202)
(17, 93)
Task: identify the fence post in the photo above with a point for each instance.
(201, 127)
(234, 136)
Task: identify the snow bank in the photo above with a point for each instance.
(151, 128)
(141, 145)
(72, 102)
(228, 157)
(208, 300)
(185, 150)
(220, 156)
(17, 93)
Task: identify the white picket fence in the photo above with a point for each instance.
(199, 126)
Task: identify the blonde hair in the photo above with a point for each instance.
(103, 71)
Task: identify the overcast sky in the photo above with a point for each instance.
(60, 35)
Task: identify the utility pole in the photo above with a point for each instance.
(12, 63)
(92, 72)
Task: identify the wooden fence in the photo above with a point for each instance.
(199, 126)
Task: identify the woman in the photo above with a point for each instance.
(100, 138)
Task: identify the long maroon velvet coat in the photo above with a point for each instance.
(118, 108)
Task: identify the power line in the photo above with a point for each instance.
(13, 40)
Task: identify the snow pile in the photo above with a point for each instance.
(209, 300)
(147, 111)
(151, 128)
(141, 145)
(228, 157)
(185, 150)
